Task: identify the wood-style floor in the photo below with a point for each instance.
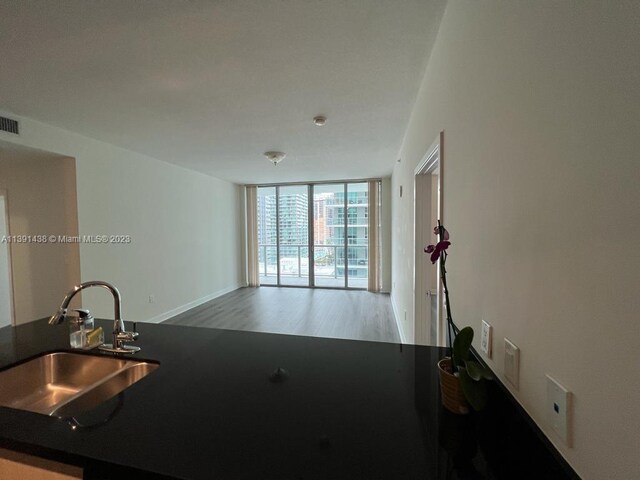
(355, 315)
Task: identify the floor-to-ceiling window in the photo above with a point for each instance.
(314, 235)
(357, 210)
(293, 234)
(328, 235)
(267, 236)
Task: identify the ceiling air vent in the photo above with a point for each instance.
(9, 125)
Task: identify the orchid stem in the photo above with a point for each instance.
(451, 329)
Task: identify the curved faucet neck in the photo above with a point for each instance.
(118, 323)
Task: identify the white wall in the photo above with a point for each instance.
(185, 226)
(539, 104)
(41, 199)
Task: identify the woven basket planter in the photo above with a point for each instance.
(451, 391)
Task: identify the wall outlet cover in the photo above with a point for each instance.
(559, 408)
(511, 363)
(486, 339)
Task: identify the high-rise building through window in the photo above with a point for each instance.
(340, 234)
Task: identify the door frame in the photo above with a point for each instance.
(311, 238)
(12, 300)
(432, 160)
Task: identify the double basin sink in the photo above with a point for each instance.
(65, 384)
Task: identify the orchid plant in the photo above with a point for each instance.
(470, 372)
(439, 252)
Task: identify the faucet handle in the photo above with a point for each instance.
(127, 336)
(133, 335)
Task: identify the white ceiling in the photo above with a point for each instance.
(211, 85)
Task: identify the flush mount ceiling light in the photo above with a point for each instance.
(275, 157)
(320, 120)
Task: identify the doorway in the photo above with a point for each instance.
(428, 314)
(42, 271)
(6, 290)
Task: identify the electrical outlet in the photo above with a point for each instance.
(511, 362)
(486, 339)
(559, 409)
(152, 298)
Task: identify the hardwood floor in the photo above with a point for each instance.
(355, 315)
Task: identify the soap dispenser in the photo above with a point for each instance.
(79, 326)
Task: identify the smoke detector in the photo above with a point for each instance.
(320, 120)
(275, 157)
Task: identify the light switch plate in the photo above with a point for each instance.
(511, 362)
(559, 409)
(486, 339)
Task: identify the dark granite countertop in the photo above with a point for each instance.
(348, 410)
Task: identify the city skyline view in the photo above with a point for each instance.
(284, 228)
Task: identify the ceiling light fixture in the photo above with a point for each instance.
(275, 157)
(320, 120)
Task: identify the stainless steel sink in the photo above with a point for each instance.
(64, 384)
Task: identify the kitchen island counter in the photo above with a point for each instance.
(240, 405)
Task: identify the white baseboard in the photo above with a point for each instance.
(187, 306)
(403, 338)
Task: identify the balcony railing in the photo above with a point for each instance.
(294, 260)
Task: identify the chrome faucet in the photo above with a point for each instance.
(120, 334)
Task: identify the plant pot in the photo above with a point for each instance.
(450, 389)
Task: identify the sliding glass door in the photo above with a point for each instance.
(267, 236)
(328, 235)
(314, 235)
(293, 234)
(357, 209)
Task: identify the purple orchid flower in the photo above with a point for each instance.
(437, 249)
(441, 246)
(445, 232)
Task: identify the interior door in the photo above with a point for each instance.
(424, 269)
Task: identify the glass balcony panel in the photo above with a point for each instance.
(268, 261)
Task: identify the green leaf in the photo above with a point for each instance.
(477, 372)
(474, 392)
(461, 345)
(473, 369)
